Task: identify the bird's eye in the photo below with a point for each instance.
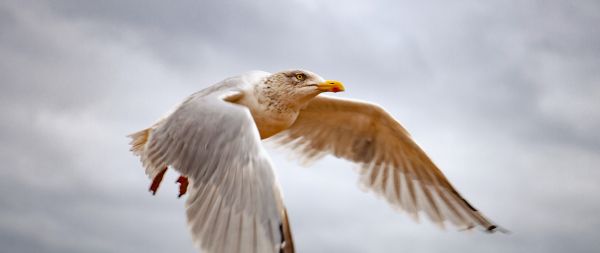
(300, 77)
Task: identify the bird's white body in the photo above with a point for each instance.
(235, 205)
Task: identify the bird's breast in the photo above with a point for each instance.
(269, 120)
(271, 123)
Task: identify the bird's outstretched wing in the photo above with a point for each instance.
(391, 163)
(234, 204)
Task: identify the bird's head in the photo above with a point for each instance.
(294, 88)
(301, 82)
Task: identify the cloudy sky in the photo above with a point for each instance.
(504, 96)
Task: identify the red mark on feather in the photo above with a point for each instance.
(183, 184)
(156, 181)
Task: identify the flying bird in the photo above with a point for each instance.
(214, 140)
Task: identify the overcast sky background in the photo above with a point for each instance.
(503, 95)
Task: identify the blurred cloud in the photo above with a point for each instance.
(503, 95)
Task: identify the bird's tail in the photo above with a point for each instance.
(138, 141)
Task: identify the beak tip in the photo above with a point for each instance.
(331, 86)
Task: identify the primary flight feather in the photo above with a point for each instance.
(213, 139)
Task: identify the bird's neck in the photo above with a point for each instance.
(280, 100)
(273, 110)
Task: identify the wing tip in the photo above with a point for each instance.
(287, 242)
(495, 228)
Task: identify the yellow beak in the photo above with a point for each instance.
(331, 86)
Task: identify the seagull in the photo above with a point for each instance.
(214, 140)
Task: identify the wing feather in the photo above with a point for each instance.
(391, 163)
(234, 202)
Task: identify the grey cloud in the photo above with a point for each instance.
(503, 95)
